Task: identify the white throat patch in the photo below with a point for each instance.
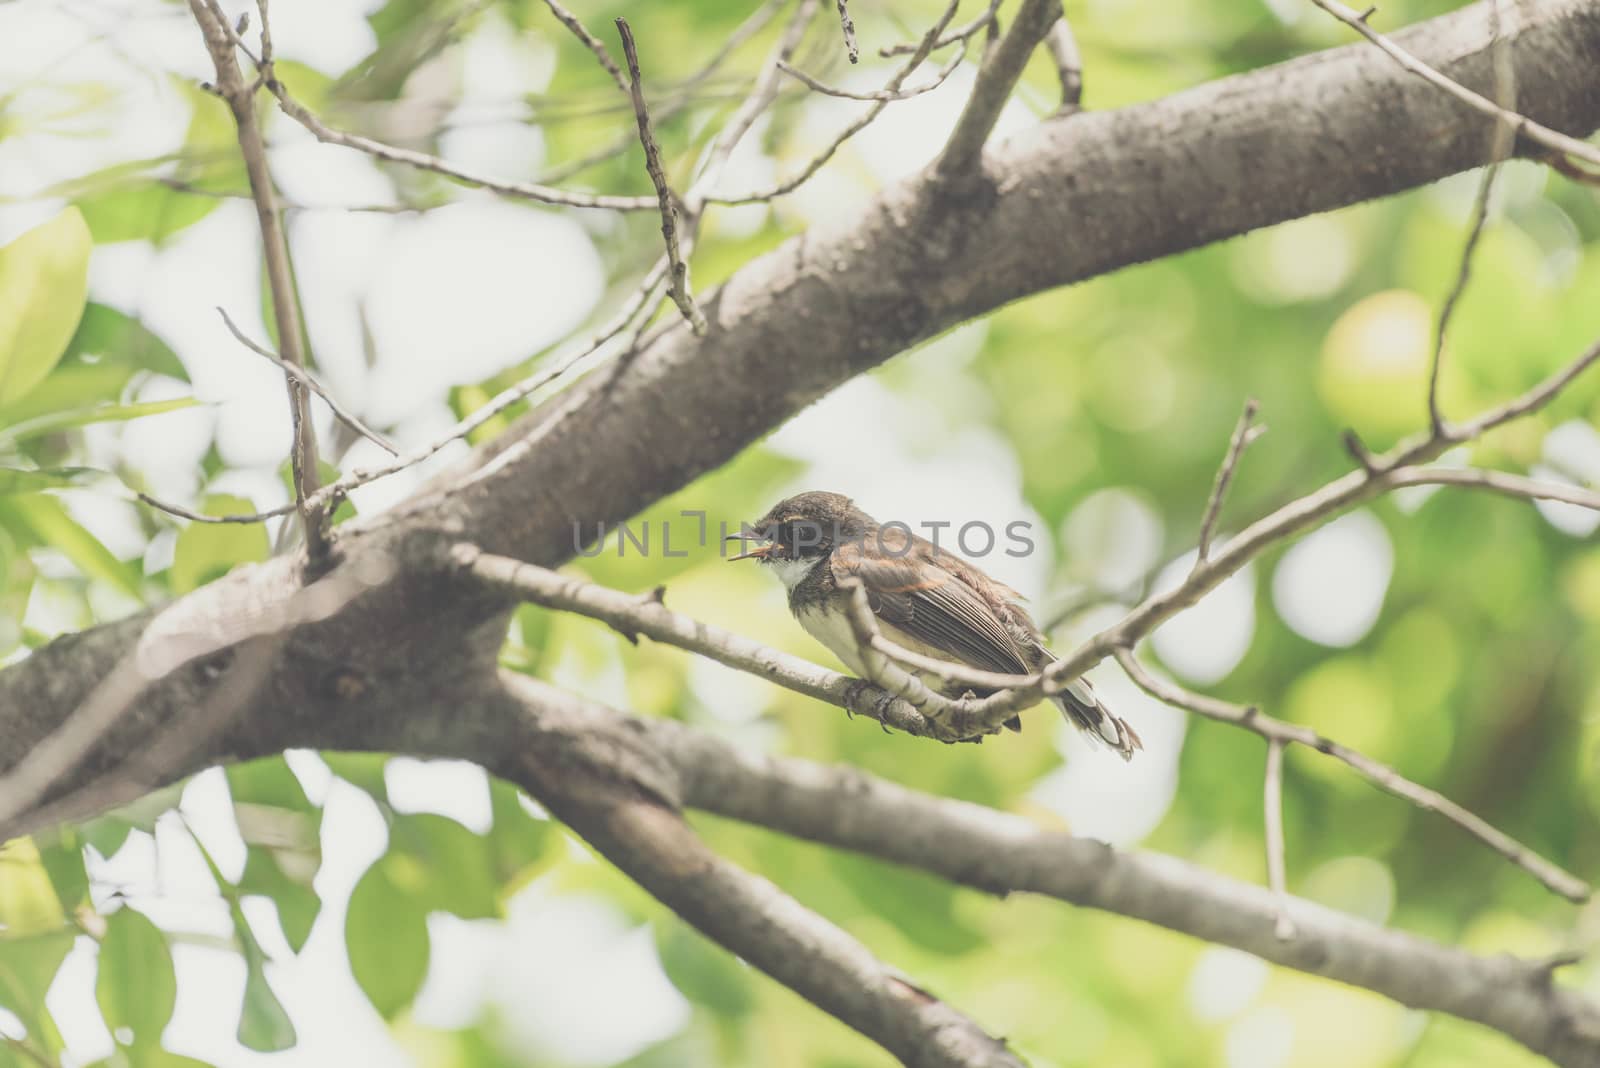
(793, 572)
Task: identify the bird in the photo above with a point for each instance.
(923, 598)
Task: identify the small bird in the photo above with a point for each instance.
(924, 599)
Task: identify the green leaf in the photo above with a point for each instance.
(386, 934)
(364, 771)
(296, 901)
(15, 480)
(37, 519)
(114, 337)
(264, 1026)
(519, 841)
(70, 385)
(137, 986)
(207, 551)
(144, 210)
(28, 903)
(267, 782)
(456, 866)
(44, 278)
(27, 967)
(107, 834)
(50, 422)
(61, 853)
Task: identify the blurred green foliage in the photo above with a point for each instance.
(1475, 679)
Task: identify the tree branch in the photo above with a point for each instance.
(898, 699)
(1553, 140)
(1555, 878)
(677, 268)
(999, 853)
(617, 795)
(995, 81)
(240, 98)
(1243, 435)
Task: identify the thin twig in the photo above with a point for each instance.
(930, 41)
(1501, 482)
(1555, 878)
(309, 381)
(199, 517)
(509, 396)
(590, 41)
(1068, 59)
(759, 98)
(336, 491)
(1524, 126)
(678, 287)
(1272, 801)
(1243, 435)
(878, 94)
(847, 24)
(996, 79)
(240, 98)
(962, 33)
(1500, 148)
(422, 161)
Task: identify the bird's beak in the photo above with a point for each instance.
(758, 553)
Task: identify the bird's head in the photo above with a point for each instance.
(805, 527)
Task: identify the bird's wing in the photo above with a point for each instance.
(932, 605)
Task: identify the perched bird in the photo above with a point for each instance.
(923, 597)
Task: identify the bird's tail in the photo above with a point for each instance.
(1086, 712)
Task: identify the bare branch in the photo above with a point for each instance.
(1504, 138)
(847, 24)
(1381, 775)
(1522, 125)
(760, 97)
(633, 616)
(422, 161)
(996, 79)
(1243, 435)
(306, 379)
(961, 33)
(1001, 853)
(1272, 809)
(923, 50)
(1496, 482)
(1064, 54)
(613, 807)
(1293, 519)
(678, 270)
(240, 98)
(337, 490)
(905, 703)
(590, 41)
(879, 94)
(882, 671)
(200, 517)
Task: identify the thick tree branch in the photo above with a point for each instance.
(596, 788)
(1000, 853)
